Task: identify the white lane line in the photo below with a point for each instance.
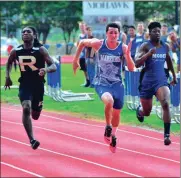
(80, 123)
(76, 158)
(20, 169)
(137, 152)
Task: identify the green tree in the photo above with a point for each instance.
(67, 19)
(44, 15)
(10, 16)
(163, 11)
(62, 14)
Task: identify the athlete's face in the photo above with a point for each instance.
(155, 34)
(172, 36)
(140, 27)
(131, 32)
(82, 27)
(89, 32)
(112, 34)
(164, 29)
(27, 35)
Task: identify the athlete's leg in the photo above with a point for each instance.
(118, 96)
(146, 108)
(106, 96)
(26, 104)
(25, 94)
(83, 67)
(35, 114)
(163, 95)
(87, 79)
(115, 120)
(108, 103)
(37, 101)
(36, 109)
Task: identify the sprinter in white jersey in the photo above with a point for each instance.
(107, 80)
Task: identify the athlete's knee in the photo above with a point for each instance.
(26, 108)
(109, 103)
(147, 112)
(35, 114)
(165, 104)
(107, 99)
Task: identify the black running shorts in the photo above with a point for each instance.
(33, 92)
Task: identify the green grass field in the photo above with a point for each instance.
(84, 109)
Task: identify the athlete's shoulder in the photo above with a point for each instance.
(42, 49)
(96, 41)
(18, 48)
(165, 45)
(145, 44)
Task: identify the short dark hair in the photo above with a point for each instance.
(164, 25)
(88, 28)
(132, 26)
(113, 25)
(153, 25)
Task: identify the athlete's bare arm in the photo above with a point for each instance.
(11, 59)
(143, 54)
(127, 55)
(170, 65)
(93, 43)
(51, 64)
(124, 38)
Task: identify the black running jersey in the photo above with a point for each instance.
(30, 61)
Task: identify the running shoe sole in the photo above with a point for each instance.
(35, 145)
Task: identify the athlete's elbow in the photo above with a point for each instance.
(131, 68)
(137, 64)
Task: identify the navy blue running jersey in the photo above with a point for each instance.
(108, 65)
(154, 65)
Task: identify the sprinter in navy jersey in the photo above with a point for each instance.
(107, 80)
(153, 80)
(31, 57)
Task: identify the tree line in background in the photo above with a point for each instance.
(43, 15)
(65, 15)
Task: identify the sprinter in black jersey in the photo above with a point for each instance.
(31, 57)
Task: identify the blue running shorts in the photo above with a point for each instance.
(117, 92)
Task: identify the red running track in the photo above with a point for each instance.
(74, 147)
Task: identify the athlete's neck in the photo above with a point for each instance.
(164, 34)
(28, 45)
(133, 36)
(140, 33)
(155, 43)
(112, 44)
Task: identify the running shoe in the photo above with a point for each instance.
(113, 144)
(167, 140)
(107, 134)
(140, 118)
(35, 144)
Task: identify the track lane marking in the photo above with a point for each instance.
(76, 158)
(80, 123)
(20, 169)
(125, 149)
